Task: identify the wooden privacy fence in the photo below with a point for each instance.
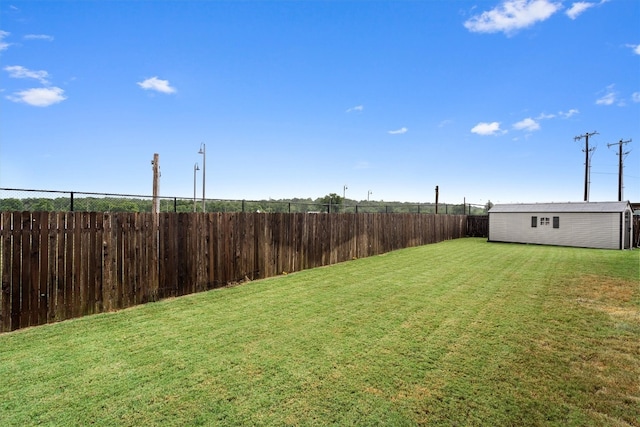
(60, 265)
(478, 225)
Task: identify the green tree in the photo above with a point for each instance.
(332, 201)
(488, 205)
(11, 205)
(42, 205)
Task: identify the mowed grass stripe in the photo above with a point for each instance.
(462, 332)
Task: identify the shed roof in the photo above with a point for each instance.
(562, 207)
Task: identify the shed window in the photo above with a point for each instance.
(534, 221)
(544, 221)
(556, 222)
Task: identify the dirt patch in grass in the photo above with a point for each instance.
(609, 356)
(617, 297)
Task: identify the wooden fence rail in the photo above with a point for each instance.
(60, 265)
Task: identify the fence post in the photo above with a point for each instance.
(71, 207)
(242, 205)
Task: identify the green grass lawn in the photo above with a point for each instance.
(462, 332)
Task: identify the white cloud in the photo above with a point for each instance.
(39, 37)
(154, 83)
(483, 128)
(543, 116)
(635, 96)
(398, 131)
(4, 45)
(635, 48)
(20, 72)
(357, 108)
(445, 122)
(577, 9)
(527, 124)
(39, 97)
(567, 114)
(512, 15)
(609, 98)
(362, 164)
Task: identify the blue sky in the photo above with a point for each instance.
(303, 98)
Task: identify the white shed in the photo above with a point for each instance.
(606, 225)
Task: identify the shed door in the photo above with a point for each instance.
(627, 230)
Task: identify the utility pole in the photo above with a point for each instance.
(587, 161)
(621, 157)
(437, 194)
(156, 182)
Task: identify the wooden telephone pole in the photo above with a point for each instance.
(621, 156)
(156, 183)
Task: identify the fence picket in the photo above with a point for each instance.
(82, 243)
(59, 312)
(68, 265)
(16, 283)
(108, 262)
(151, 242)
(209, 255)
(26, 297)
(7, 262)
(34, 267)
(42, 270)
(94, 282)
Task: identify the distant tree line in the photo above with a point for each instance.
(331, 203)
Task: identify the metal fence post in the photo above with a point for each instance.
(71, 204)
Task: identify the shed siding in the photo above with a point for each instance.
(580, 229)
